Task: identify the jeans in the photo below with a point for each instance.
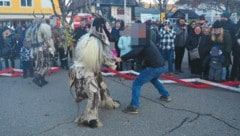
(168, 56)
(146, 75)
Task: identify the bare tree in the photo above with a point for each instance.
(70, 8)
(219, 5)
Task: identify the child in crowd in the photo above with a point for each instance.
(124, 44)
(26, 60)
(216, 60)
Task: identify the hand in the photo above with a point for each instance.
(117, 59)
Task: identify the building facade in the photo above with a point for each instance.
(20, 11)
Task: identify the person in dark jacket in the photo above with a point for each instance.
(180, 40)
(1, 44)
(235, 72)
(194, 41)
(9, 47)
(115, 34)
(153, 67)
(222, 37)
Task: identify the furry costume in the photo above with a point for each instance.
(39, 35)
(92, 52)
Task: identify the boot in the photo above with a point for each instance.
(37, 80)
(43, 81)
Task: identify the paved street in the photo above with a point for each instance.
(28, 110)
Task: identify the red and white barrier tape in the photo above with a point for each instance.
(171, 79)
(13, 72)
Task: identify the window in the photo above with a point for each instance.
(26, 3)
(5, 3)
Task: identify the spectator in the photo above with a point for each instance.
(195, 41)
(166, 45)
(115, 33)
(63, 52)
(190, 27)
(235, 72)
(228, 25)
(8, 49)
(215, 60)
(27, 60)
(1, 45)
(124, 44)
(205, 49)
(180, 40)
(222, 38)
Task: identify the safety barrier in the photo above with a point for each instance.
(170, 79)
(13, 72)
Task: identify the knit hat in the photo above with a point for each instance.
(166, 22)
(217, 24)
(148, 22)
(202, 17)
(225, 14)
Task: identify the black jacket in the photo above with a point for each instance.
(149, 54)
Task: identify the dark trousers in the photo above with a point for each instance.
(235, 72)
(179, 53)
(196, 67)
(27, 66)
(12, 60)
(63, 56)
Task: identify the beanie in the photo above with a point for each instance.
(217, 24)
(225, 14)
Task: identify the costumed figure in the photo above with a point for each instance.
(92, 52)
(39, 35)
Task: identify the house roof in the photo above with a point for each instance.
(183, 12)
(139, 10)
(118, 2)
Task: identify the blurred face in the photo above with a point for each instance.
(206, 31)
(193, 24)
(216, 30)
(182, 22)
(117, 24)
(197, 30)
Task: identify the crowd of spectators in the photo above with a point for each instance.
(172, 40)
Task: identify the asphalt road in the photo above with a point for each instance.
(29, 110)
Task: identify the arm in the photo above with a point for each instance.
(134, 52)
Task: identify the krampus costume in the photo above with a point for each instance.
(39, 35)
(92, 52)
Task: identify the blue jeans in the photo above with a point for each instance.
(146, 75)
(168, 56)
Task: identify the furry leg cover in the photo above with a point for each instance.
(106, 101)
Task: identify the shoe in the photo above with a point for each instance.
(130, 110)
(165, 98)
